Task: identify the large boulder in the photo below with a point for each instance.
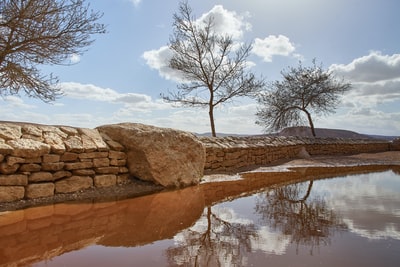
(164, 156)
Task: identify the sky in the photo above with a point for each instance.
(122, 74)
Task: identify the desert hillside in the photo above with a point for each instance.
(326, 133)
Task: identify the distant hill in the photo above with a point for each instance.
(329, 133)
(304, 131)
(321, 132)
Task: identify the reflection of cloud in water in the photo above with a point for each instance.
(270, 242)
(263, 239)
(368, 203)
(389, 231)
(201, 226)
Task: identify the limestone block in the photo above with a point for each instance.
(39, 190)
(15, 179)
(33, 130)
(68, 130)
(8, 169)
(36, 138)
(115, 145)
(107, 170)
(14, 160)
(10, 131)
(78, 165)
(61, 174)
(33, 160)
(73, 184)
(4, 148)
(53, 129)
(68, 156)
(40, 177)
(28, 148)
(118, 162)
(101, 162)
(51, 158)
(11, 193)
(84, 172)
(93, 155)
(105, 180)
(30, 167)
(55, 166)
(164, 156)
(88, 144)
(95, 137)
(55, 141)
(74, 144)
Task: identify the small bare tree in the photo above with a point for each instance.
(37, 32)
(303, 91)
(213, 67)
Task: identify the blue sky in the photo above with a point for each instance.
(120, 77)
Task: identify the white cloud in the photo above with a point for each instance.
(273, 46)
(94, 93)
(270, 242)
(225, 22)
(372, 102)
(16, 102)
(371, 68)
(88, 92)
(159, 60)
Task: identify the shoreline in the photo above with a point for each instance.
(137, 188)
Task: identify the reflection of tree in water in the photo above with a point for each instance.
(217, 239)
(307, 221)
(220, 238)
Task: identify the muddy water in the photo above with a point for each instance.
(295, 218)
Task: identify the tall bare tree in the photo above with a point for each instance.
(37, 32)
(213, 67)
(303, 91)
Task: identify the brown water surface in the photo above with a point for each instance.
(295, 218)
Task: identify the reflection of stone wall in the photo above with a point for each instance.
(40, 161)
(233, 153)
(40, 233)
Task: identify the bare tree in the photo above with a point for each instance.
(303, 91)
(37, 32)
(213, 67)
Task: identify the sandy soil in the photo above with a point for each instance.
(136, 188)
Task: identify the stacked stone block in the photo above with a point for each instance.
(226, 154)
(40, 161)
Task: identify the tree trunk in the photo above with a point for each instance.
(310, 122)
(211, 115)
(308, 190)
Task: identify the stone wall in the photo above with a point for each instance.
(40, 161)
(226, 154)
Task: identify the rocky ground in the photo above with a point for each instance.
(135, 188)
(384, 158)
